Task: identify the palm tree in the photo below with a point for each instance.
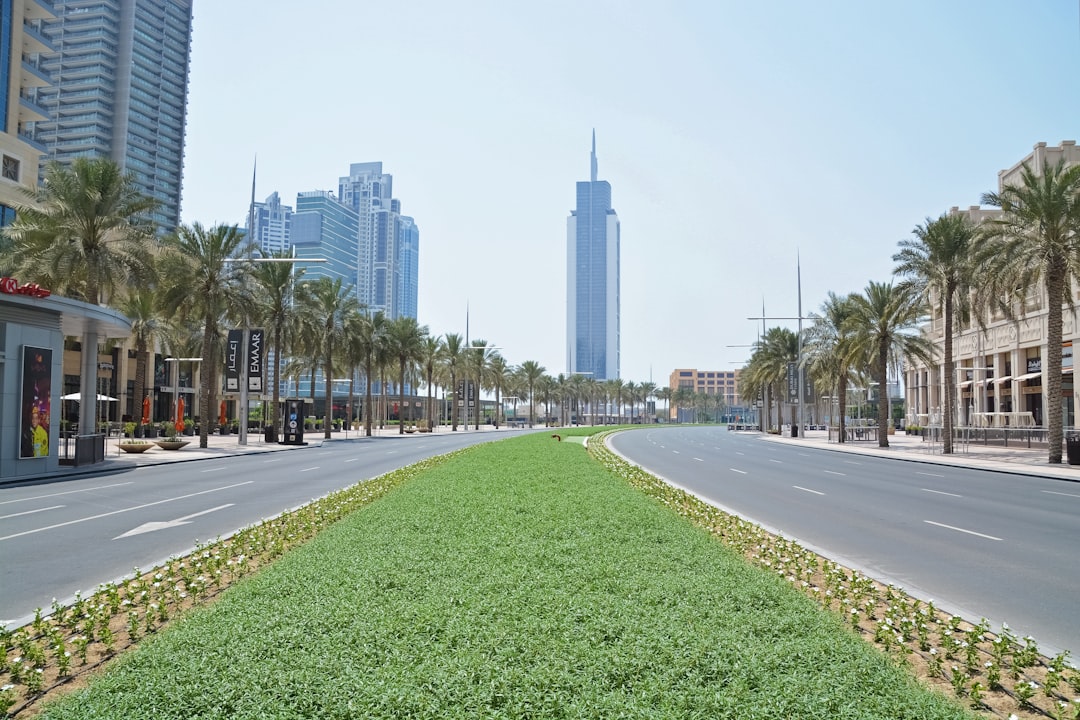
(828, 352)
(198, 283)
(498, 375)
(1037, 239)
(939, 262)
(452, 355)
(532, 371)
(274, 307)
(369, 334)
(330, 301)
(648, 392)
(84, 232)
(664, 394)
(405, 341)
(431, 353)
(772, 353)
(545, 388)
(882, 321)
(141, 308)
(476, 359)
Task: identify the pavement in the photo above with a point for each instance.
(1017, 458)
(218, 446)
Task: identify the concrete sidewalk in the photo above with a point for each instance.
(218, 446)
(1016, 458)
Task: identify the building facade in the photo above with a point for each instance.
(120, 83)
(720, 384)
(409, 251)
(273, 225)
(999, 375)
(322, 227)
(592, 280)
(23, 44)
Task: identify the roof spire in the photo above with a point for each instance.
(593, 176)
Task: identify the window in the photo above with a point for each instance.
(10, 169)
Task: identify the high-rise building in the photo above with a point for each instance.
(592, 281)
(273, 225)
(322, 227)
(120, 77)
(383, 257)
(22, 45)
(409, 287)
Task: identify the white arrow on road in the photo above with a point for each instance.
(152, 526)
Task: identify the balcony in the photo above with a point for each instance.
(39, 10)
(30, 111)
(34, 76)
(34, 41)
(33, 142)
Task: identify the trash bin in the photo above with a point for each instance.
(1072, 449)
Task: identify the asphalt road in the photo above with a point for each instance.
(980, 544)
(69, 536)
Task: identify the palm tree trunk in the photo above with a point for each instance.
(1055, 290)
(950, 374)
(206, 391)
(883, 394)
(367, 400)
(401, 398)
(276, 392)
(842, 408)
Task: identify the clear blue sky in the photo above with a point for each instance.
(733, 134)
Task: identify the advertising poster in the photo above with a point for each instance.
(35, 409)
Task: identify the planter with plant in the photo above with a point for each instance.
(170, 441)
(135, 446)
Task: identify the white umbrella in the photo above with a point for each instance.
(78, 396)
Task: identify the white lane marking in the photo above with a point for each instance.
(781, 462)
(929, 474)
(833, 472)
(938, 492)
(799, 487)
(186, 520)
(274, 460)
(124, 510)
(1051, 492)
(805, 454)
(310, 468)
(969, 532)
(352, 459)
(31, 512)
(699, 459)
(66, 492)
(676, 452)
(741, 472)
(738, 453)
(212, 469)
(852, 462)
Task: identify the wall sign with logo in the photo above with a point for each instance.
(254, 358)
(11, 286)
(233, 361)
(1034, 365)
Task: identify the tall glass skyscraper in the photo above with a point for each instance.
(322, 227)
(592, 281)
(388, 242)
(273, 225)
(120, 77)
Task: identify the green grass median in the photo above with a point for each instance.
(520, 579)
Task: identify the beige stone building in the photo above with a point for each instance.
(709, 382)
(999, 370)
(19, 153)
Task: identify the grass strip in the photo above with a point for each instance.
(519, 579)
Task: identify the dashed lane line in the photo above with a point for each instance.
(939, 492)
(66, 492)
(800, 487)
(31, 512)
(969, 532)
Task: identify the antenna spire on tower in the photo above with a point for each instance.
(593, 174)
